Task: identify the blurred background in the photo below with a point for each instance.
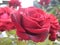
(52, 7)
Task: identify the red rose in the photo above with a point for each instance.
(44, 2)
(14, 3)
(35, 24)
(5, 20)
(31, 24)
(54, 27)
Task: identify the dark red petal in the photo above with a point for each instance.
(39, 38)
(16, 20)
(53, 37)
(23, 36)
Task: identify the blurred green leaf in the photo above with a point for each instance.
(5, 41)
(12, 32)
(21, 42)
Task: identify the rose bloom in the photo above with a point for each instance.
(14, 3)
(54, 27)
(34, 24)
(44, 2)
(5, 20)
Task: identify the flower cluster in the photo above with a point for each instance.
(44, 2)
(35, 24)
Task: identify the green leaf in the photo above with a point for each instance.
(21, 42)
(52, 11)
(12, 32)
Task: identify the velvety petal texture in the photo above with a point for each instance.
(35, 24)
(5, 19)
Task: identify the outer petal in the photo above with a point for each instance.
(39, 38)
(53, 36)
(23, 35)
(54, 27)
(17, 21)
